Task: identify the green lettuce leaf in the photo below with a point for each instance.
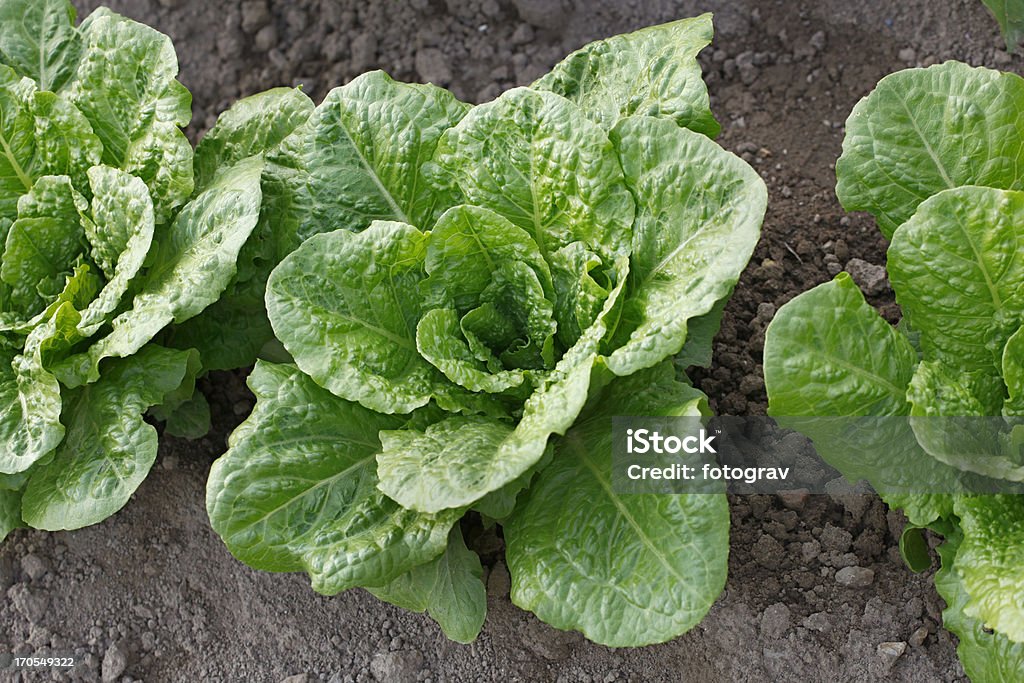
(125, 87)
(30, 406)
(699, 213)
(288, 498)
(624, 570)
(38, 39)
(449, 588)
(359, 158)
(193, 264)
(650, 72)
(922, 131)
(253, 125)
(957, 267)
(1010, 15)
(108, 448)
(989, 561)
(535, 159)
(987, 657)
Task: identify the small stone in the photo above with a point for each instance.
(768, 552)
(297, 678)
(364, 52)
(890, 652)
(432, 66)
(34, 566)
(115, 661)
(834, 538)
(794, 499)
(819, 621)
(818, 41)
(868, 276)
(918, 637)
(499, 582)
(855, 577)
(266, 38)
(522, 35)
(255, 15)
(148, 639)
(775, 621)
(396, 667)
(908, 55)
(1002, 57)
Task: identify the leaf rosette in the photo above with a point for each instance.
(105, 241)
(486, 286)
(934, 155)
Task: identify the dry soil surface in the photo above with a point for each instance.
(153, 595)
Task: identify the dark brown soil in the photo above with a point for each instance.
(152, 594)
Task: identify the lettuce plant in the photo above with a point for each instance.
(106, 239)
(469, 295)
(935, 154)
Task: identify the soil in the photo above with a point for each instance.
(816, 589)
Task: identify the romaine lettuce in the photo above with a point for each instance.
(106, 241)
(469, 295)
(935, 155)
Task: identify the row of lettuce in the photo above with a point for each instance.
(446, 304)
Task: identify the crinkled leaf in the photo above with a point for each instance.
(230, 333)
(987, 656)
(297, 490)
(440, 342)
(10, 511)
(121, 233)
(467, 245)
(827, 352)
(38, 39)
(922, 131)
(989, 561)
(650, 72)
(253, 125)
(43, 244)
(624, 570)
(1013, 374)
(451, 464)
(30, 406)
(449, 588)
(194, 262)
(345, 305)
(534, 158)
(108, 448)
(579, 296)
(189, 420)
(359, 158)
(125, 87)
(699, 212)
(957, 267)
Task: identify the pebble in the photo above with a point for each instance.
(432, 66)
(541, 13)
(819, 621)
(868, 276)
(908, 55)
(396, 667)
(918, 637)
(115, 661)
(891, 651)
(266, 38)
(34, 566)
(775, 621)
(795, 499)
(255, 15)
(297, 678)
(855, 577)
